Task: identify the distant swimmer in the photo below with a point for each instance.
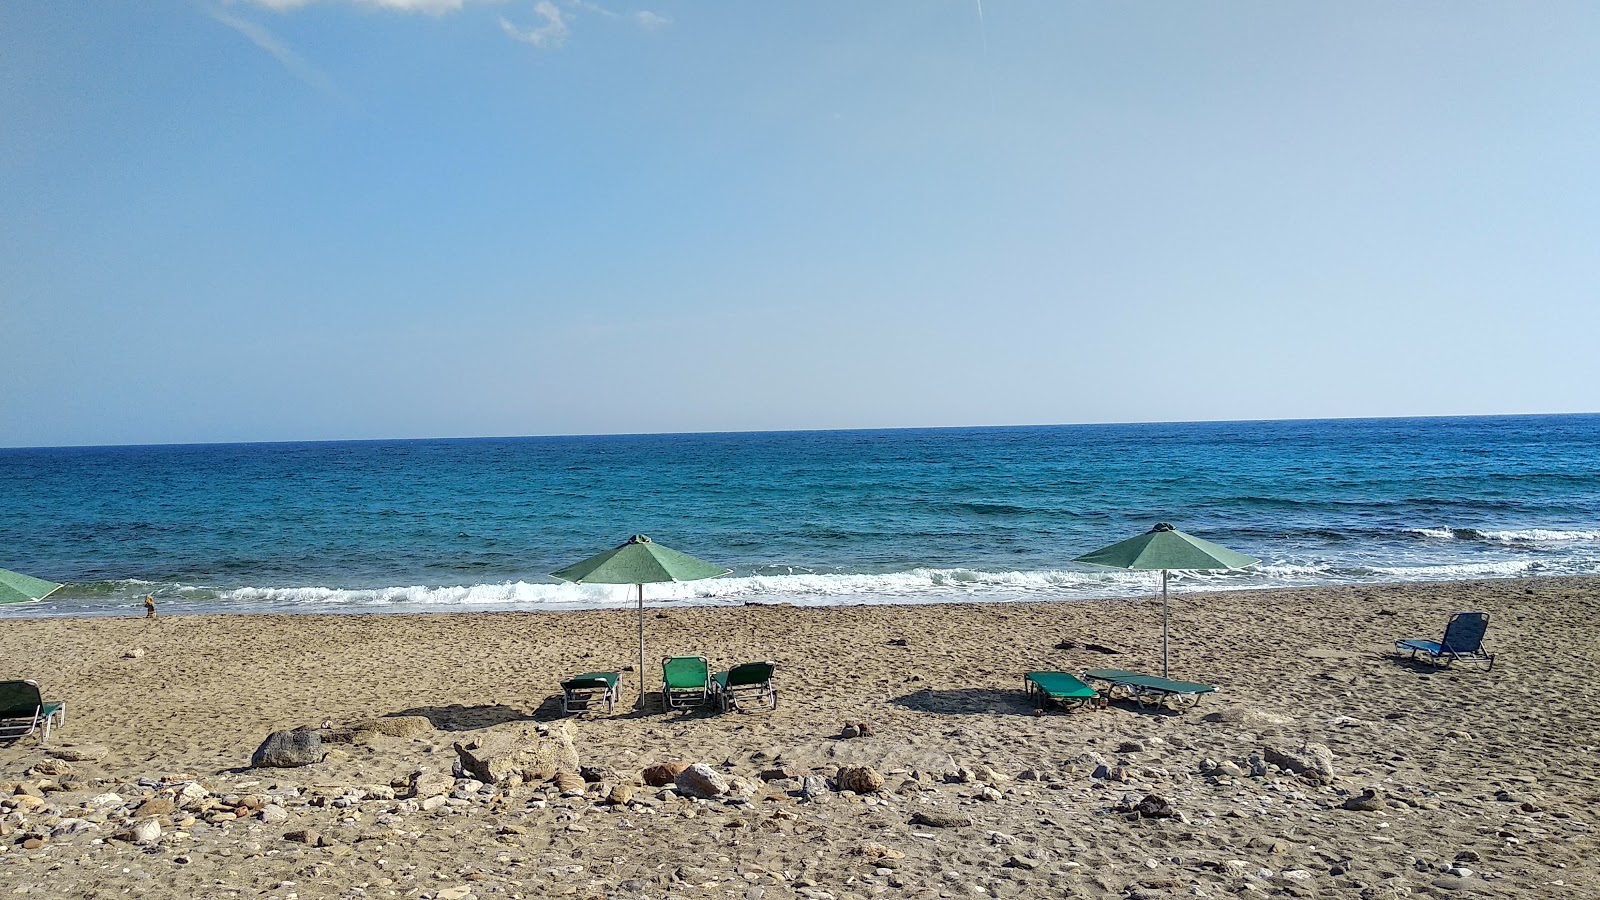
(149, 606)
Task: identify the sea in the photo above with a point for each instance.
(811, 518)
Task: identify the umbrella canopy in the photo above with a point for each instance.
(1164, 547)
(639, 561)
(18, 588)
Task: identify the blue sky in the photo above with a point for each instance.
(331, 219)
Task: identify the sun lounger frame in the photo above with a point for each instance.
(1044, 688)
(752, 679)
(24, 711)
(1148, 689)
(1462, 642)
(580, 692)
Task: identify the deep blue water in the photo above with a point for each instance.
(903, 516)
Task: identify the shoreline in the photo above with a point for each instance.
(1491, 772)
(134, 607)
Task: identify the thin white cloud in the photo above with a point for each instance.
(428, 7)
(548, 35)
(590, 7)
(550, 29)
(650, 21)
(292, 61)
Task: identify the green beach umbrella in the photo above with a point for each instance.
(639, 561)
(18, 588)
(1164, 547)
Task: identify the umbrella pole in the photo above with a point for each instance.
(641, 647)
(1163, 623)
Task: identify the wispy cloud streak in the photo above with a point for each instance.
(292, 61)
(650, 21)
(553, 22)
(429, 7)
(550, 34)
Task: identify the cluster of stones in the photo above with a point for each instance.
(517, 770)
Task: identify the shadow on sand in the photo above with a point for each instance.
(468, 718)
(967, 702)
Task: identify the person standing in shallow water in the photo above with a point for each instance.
(149, 606)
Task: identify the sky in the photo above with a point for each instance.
(266, 220)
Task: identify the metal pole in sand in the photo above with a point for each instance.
(1163, 623)
(641, 648)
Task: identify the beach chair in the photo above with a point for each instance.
(1148, 689)
(685, 681)
(23, 711)
(581, 692)
(1462, 642)
(1045, 688)
(747, 679)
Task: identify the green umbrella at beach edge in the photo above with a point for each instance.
(16, 587)
(639, 561)
(1164, 547)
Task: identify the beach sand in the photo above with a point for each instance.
(1486, 781)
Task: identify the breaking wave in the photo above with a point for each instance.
(915, 586)
(1523, 537)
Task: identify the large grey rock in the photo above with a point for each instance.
(423, 784)
(699, 780)
(288, 750)
(519, 752)
(145, 832)
(1309, 758)
(273, 814)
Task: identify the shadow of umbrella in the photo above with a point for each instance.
(467, 718)
(966, 702)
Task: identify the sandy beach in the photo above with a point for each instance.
(1484, 782)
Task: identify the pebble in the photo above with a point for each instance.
(1369, 801)
(934, 818)
(146, 832)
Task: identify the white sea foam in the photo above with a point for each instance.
(1525, 536)
(1543, 536)
(1459, 571)
(915, 586)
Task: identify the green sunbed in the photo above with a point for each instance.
(752, 679)
(23, 711)
(685, 681)
(1144, 689)
(579, 692)
(1045, 688)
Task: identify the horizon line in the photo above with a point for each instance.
(596, 434)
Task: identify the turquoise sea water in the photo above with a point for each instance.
(904, 516)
